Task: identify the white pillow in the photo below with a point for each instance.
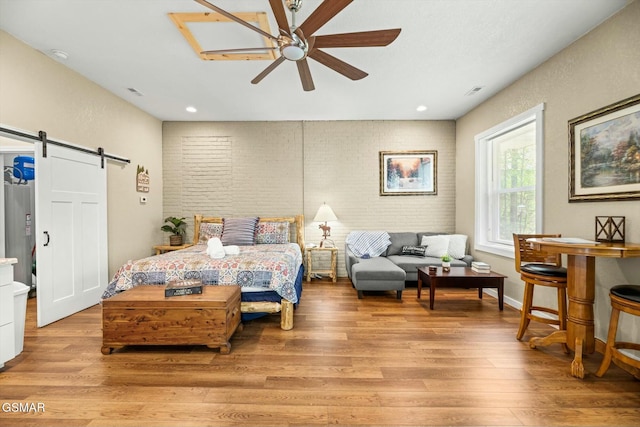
(457, 245)
(453, 244)
(436, 245)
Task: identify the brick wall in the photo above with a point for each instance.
(284, 168)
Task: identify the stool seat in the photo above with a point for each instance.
(544, 270)
(630, 292)
(626, 299)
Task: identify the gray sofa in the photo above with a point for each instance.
(390, 271)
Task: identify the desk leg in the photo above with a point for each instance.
(334, 265)
(580, 318)
(577, 368)
(554, 337)
(432, 292)
(419, 284)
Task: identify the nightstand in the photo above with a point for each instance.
(332, 272)
(160, 249)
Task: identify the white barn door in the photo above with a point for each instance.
(71, 231)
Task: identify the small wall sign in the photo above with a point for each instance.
(142, 180)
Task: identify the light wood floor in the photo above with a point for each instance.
(375, 361)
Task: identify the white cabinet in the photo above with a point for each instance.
(7, 328)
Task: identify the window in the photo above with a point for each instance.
(509, 181)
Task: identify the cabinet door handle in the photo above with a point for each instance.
(46, 233)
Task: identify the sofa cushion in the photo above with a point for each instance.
(398, 240)
(436, 245)
(378, 268)
(453, 244)
(414, 250)
(457, 245)
(410, 264)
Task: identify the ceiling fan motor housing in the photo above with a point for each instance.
(294, 5)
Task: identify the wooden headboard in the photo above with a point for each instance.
(296, 235)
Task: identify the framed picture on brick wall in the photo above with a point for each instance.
(408, 173)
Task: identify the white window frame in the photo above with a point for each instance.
(485, 172)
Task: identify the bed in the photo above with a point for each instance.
(269, 273)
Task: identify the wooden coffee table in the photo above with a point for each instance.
(143, 316)
(460, 277)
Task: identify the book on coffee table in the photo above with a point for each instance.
(480, 267)
(183, 287)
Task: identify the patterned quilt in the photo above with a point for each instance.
(271, 267)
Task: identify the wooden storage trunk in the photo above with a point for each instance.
(143, 316)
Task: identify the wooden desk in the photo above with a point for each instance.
(581, 263)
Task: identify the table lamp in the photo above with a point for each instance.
(325, 214)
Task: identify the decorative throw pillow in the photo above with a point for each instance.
(436, 245)
(272, 232)
(239, 231)
(209, 230)
(457, 246)
(414, 250)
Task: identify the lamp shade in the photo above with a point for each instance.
(324, 214)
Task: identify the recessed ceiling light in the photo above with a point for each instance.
(60, 54)
(192, 109)
(421, 108)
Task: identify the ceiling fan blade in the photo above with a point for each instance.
(338, 65)
(244, 49)
(323, 13)
(361, 39)
(235, 18)
(305, 75)
(267, 70)
(280, 15)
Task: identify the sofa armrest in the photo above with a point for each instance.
(467, 259)
(349, 260)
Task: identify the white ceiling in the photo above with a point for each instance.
(446, 48)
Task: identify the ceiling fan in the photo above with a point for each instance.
(296, 43)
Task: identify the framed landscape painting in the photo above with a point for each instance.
(604, 150)
(408, 173)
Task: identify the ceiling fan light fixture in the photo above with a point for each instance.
(293, 52)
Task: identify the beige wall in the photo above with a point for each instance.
(285, 168)
(37, 93)
(599, 69)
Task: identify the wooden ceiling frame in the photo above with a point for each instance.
(181, 20)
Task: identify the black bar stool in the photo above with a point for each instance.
(625, 298)
(539, 268)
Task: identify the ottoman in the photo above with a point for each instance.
(378, 274)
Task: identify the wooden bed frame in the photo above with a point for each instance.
(284, 307)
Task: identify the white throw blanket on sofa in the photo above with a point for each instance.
(368, 244)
